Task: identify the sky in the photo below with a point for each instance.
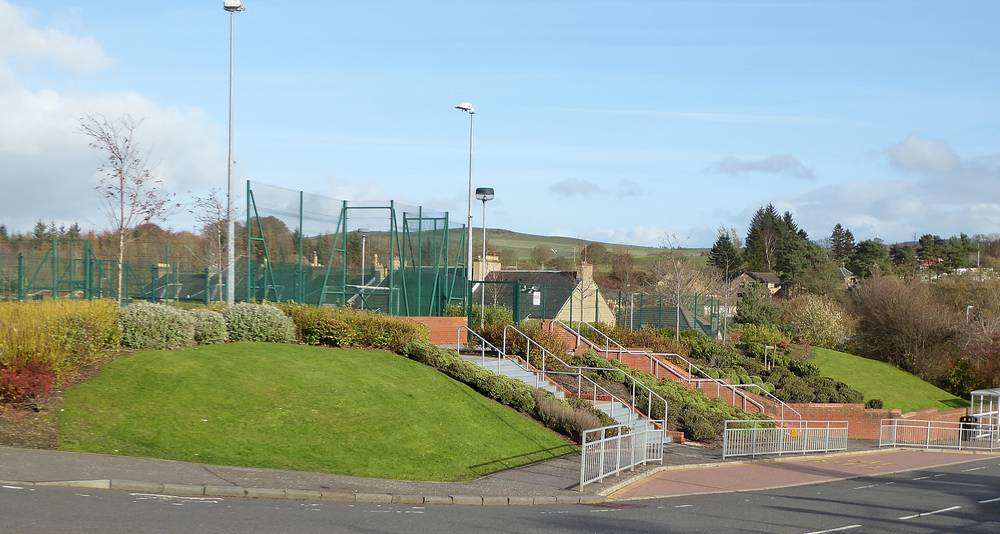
(613, 120)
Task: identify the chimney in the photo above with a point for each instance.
(585, 272)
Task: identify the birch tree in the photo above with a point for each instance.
(132, 194)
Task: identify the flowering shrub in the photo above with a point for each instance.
(26, 383)
(817, 321)
(156, 326)
(258, 322)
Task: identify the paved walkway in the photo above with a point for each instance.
(728, 477)
(552, 477)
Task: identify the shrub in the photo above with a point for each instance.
(258, 322)
(25, 384)
(59, 334)
(156, 326)
(818, 321)
(874, 404)
(755, 306)
(347, 327)
(209, 327)
(753, 338)
(563, 417)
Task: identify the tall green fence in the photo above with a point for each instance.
(696, 312)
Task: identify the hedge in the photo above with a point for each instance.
(258, 322)
(146, 325)
(346, 327)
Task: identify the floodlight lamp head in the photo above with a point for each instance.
(466, 107)
(484, 193)
(232, 5)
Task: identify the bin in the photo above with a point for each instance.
(968, 426)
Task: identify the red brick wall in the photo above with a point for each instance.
(443, 330)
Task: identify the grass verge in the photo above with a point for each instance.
(880, 380)
(347, 411)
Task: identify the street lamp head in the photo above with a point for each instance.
(484, 193)
(232, 5)
(466, 107)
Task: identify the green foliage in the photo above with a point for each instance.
(818, 321)
(146, 325)
(725, 255)
(870, 258)
(753, 338)
(804, 266)
(494, 319)
(258, 322)
(841, 243)
(59, 335)
(348, 327)
(755, 306)
(874, 404)
(209, 327)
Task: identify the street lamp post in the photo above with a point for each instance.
(231, 6)
(467, 107)
(364, 277)
(485, 194)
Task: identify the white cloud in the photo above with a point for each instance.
(48, 170)
(572, 187)
(650, 236)
(783, 164)
(20, 42)
(923, 155)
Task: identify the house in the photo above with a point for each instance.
(564, 295)
(770, 280)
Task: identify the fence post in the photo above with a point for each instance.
(20, 277)
(600, 464)
(154, 279)
(927, 444)
(583, 459)
(725, 438)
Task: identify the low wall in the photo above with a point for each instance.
(863, 423)
(443, 330)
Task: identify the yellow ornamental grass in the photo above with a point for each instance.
(60, 334)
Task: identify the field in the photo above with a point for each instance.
(880, 380)
(355, 412)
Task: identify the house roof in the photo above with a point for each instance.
(767, 278)
(845, 273)
(555, 286)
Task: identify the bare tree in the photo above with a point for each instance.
(210, 211)
(674, 276)
(131, 193)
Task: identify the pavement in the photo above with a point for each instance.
(684, 480)
(959, 498)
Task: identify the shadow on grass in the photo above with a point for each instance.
(521, 460)
(954, 403)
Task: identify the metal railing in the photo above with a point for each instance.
(938, 435)
(609, 450)
(653, 399)
(780, 408)
(757, 438)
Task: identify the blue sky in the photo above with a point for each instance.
(614, 120)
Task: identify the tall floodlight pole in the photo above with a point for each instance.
(232, 6)
(485, 194)
(467, 107)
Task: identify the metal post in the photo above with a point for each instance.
(482, 275)
(364, 281)
(300, 271)
(20, 277)
(208, 286)
(230, 224)
(468, 263)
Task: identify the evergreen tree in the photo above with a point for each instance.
(806, 266)
(841, 243)
(764, 238)
(3, 232)
(870, 258)
(725, 256)
(755, 306)
(40, 231)
(904, 258)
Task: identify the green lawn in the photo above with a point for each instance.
(880, 380)
(356, 412)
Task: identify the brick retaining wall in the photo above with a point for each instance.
(443, 330)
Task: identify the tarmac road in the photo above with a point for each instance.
(958, 498)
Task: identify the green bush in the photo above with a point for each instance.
(347, 327)
(753, 338)
(258, 322)
(874, 404)
(146, 325)
(209, 327)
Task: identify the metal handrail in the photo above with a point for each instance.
(546, 353)
(691, 368)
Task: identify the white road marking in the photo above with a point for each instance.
(931, 513)
(989, 500)
(848, 527)
(887, 483)
(940, 475)
(922, 478)
(158, 497)
(83, 495)
(683, 506)
(974, 469)
(12, 487)
(604, 510)
(865, 487)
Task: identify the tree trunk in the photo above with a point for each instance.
(121, 262)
